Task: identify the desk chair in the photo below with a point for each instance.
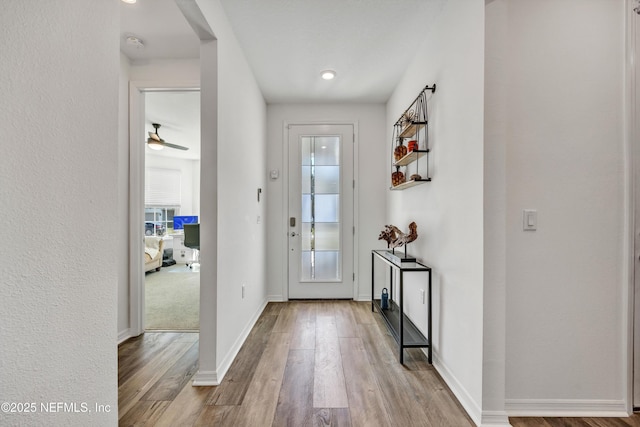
(192, 240)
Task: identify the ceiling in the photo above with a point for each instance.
(162, 28)
(369, 43)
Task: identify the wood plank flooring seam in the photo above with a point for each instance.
(133, 389)
(261, 399)
(329, 388)
(389, 375)
(364, 396)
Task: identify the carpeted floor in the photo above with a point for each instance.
(172, 299)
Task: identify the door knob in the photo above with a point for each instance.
(294, 234)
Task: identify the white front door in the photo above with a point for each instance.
(320, 223)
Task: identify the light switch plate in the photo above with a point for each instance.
(529, 220)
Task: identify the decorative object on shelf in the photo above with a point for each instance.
(388, 234)
(407, 117)
(399, 152)
(413, 126)
(397, 178)
(404, 239)
(384, 299)
(396, 238)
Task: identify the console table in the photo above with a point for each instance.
(401, 327)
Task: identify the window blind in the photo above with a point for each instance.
(162, 187)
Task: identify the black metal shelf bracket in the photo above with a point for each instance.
(422, 93)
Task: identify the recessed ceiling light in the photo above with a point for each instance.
(328, 74)
(129, 1)
(134, 41)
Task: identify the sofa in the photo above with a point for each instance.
(153, 248)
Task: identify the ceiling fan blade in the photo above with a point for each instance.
(155, 139)
(178, 147)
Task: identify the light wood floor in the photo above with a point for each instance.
(304, 364)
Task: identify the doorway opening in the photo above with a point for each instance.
(171, 200)
(166, 174)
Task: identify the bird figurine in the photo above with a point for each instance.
(389, 234)
(403, 239)
(396, 238)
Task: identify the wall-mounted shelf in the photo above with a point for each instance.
(409, 184)
(413, 126)
(411, 129)
(411, 157)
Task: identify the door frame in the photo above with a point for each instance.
(631, 272)
(285, 199)
(137, 89)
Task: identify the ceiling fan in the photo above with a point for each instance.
(156, 143)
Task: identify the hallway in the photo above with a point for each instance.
(303, 364)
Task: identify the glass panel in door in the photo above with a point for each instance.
(320, 207)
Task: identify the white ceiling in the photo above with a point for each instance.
(369, 43)
(160, 25)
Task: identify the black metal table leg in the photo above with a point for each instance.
(430, 348)
(400, 290)
(372, 279)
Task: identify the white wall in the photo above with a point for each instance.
(195, 180)
(449, 210)
(370, 182)
(123, 199)
(564, 157)
(58, 202)
(495, 147)
(166, 70)
(241, 169)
